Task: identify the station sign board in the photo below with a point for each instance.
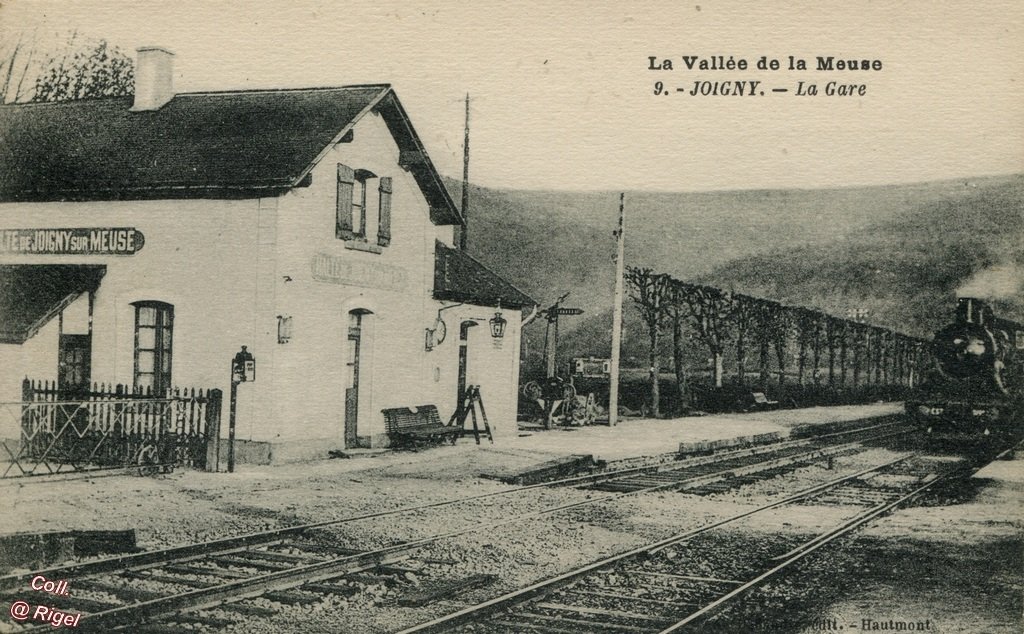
(72, 241)
(336, 269)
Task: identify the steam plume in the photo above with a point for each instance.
(1001, 281)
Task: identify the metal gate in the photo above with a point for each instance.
(104, 428)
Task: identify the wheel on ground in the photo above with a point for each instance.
(146, 463)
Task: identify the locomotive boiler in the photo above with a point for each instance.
(977, 386)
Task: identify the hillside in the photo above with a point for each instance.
(908, 270)
(900, 251)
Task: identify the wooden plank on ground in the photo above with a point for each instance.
(248, 609)
(588, 625)
(669, 575)
(195, 618)
(181, 569)
(578, 609)
(291, 597)
(515, 626)
(561, 467)
(444, 590)
(330, 588)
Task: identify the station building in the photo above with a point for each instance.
(144, 240)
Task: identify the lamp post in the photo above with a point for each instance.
(243, 368)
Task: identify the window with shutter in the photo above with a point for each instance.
(346, 188)
(384, 225)
(359, 207)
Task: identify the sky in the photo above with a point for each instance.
(562, 96)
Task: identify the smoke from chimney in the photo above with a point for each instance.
(1001, 281)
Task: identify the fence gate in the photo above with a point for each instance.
(109, 428)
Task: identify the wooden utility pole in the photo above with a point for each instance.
(463, 233)
(551, 342)
(620, 272)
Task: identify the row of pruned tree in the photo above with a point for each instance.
(823, 348)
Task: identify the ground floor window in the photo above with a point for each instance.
(154, 324)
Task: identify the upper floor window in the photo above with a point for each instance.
(359, 207)
(354, 220)
(154, 324)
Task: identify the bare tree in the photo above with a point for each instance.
(859, 333)
(711, 311)
(771, 324)
(743, 310)
(779, 330)
(677, 313)
(844, 328)
(833, 333)
(92, 71)
(649, 291)
(80, 70)
(15, 62)
(806, 322)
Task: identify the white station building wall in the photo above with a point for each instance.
(230, 268)
(198, 256)
(319, 281)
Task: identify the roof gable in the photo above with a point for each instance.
(209, 145)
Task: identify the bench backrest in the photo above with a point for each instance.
(400, 418)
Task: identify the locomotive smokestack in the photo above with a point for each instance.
(972, 311)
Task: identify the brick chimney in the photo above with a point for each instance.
(154, 78)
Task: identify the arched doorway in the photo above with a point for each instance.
(357, 330)
(460, 396)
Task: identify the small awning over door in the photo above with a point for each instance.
(459, 277)
(32, 294)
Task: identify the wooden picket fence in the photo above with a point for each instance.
(114, 425)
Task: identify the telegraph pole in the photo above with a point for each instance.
(465, 183)
(613, 393)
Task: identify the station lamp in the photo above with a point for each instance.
(498, 323)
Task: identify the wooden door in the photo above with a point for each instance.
(352, 382)
(463, 365)
(74, 361)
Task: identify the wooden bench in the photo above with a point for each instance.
(761, 401)
(421, 424)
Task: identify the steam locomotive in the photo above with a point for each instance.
(976, 388)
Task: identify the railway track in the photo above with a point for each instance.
(666, 586)
(171, 589)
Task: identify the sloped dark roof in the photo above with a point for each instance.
(459, 277)
(31, 294)
(210, 145)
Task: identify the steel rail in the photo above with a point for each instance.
(330, 568)
(697, 461)
(144, 611)
(456, 618)
(233, 544)
(818, 542)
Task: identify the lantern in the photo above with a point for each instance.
(498, 323)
